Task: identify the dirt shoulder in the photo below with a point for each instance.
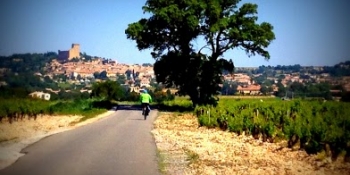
(187, 149)
(19, 134)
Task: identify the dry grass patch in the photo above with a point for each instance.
(26, 128)
(191, 149)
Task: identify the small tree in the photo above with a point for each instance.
(170, 96)
(108, 90)
(96, 75)
(103, 75)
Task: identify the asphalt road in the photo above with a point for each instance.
(120, 144)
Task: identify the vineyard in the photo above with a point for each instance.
(313, 126)
(19, 109)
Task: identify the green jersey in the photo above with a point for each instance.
(145, 98)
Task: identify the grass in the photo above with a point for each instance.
(64, 85)
(161, 161)
(127, 103)
(192, 157)
(180, 104)
(7, 139)
(321, 155)
(91, 114)
(161, 158)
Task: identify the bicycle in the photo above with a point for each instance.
(145, 111)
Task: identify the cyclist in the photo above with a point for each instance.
(145, 100)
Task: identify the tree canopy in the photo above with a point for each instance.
(108, 90)
(176, 25)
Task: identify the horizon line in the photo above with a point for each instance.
(115, 59)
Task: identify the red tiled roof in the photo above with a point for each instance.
(249, 88)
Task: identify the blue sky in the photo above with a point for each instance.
(308, 32)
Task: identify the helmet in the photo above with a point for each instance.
(143, 90)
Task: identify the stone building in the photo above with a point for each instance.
(40, 95)
(74, 52)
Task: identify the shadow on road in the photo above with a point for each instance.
(139, 119)
(174, 108)
(128, 107)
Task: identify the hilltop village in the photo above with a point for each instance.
(71, 68)
(245, 80)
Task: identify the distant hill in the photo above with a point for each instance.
(25, 63)
(36, 63)
(19, 73)
(26, 72)
(338, 70)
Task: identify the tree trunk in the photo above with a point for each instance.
(195, 100)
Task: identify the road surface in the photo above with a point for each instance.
(120, 144)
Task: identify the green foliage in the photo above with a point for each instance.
(177, 105)
(17, 108)
(305, 90)
(159, 96)
(310, 124)
(27, 63)
(174, 25)
(345, 97)
(70, 95)
(20, 70)
(229, 88)
(14, 92)
(132, 96)
(109, 90)
(20, 75)
(121, 79)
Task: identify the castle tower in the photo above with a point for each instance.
(74, 52)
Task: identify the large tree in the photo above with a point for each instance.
(176, 25)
